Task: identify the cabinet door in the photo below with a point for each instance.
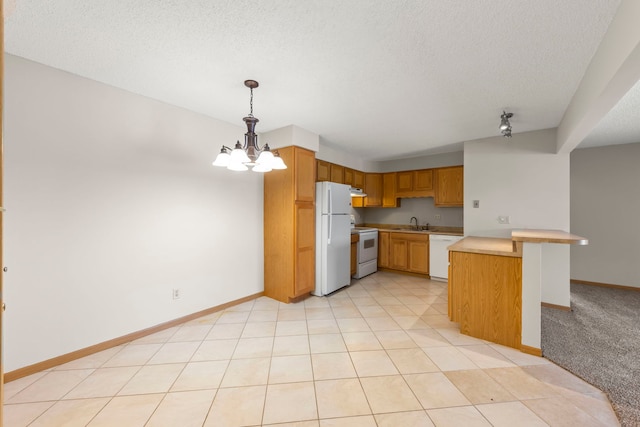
(305, 255)
(449, 186)
(383, 249)
(398, 252)
(423, 180)
(322, 170)
(358, 179)
(304, 167)
(418, 256)
(348, 176)
(373, 188)
(389, 199)
(337, 173)
(404, 182)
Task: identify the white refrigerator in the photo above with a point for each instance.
(333, 237)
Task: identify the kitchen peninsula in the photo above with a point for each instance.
(495, 285)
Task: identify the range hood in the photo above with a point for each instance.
(357, 192)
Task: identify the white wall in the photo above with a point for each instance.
(605, 207)
(333, 155)
(525, 179)
(521, 177)
(111, 203)
(423, 162)
(422, 208)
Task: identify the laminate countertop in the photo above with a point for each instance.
(449, 231)
(513, 247)
(488, 246)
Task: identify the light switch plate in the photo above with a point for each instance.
(476, 203)
(503, 219)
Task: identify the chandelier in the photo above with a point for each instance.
(505, 125)
(250, 154)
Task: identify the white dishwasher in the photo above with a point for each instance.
(439, 255)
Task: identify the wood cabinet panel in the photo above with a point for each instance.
(389, 199)
(404, 182)
(418, 256)
(358, 179)
(449, 188)
(305, 183)
(348, 176)
(415, 183)
(398, 253)
(289, 226)
(354, 253)
(383, 249)
(373, 188)
(305, 276)
(322, 171)
(409, 252)
(423, 180)
(486, 296)
(336, 173)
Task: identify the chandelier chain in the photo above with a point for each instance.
(251, 103)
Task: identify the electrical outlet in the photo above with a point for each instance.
(437, 216)
(503, 219)
(176, 294)
(476, 203)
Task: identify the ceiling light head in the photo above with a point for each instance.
(505, 125)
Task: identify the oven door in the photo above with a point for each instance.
(368, 246)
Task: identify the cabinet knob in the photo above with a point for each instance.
(5, 269)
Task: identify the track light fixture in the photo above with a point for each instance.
(505, 125)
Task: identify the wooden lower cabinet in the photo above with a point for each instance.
(355, 238)
(383, 249)
(406, 252)
(485, 296)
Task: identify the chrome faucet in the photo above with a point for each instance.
(411, 221)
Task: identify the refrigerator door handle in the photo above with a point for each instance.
(330, 233)
(329, 204)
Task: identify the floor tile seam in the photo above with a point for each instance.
(160, 345)
(575, 407)
(45, 410)
(94, 371)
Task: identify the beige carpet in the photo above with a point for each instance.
(599, 341)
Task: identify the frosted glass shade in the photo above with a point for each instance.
(223, 159)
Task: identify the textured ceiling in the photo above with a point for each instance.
(380, 79)
(621, 125)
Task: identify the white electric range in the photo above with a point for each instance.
(367, 253)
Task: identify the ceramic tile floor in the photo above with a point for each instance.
(381, 352)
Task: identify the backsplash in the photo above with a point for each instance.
(422, 208)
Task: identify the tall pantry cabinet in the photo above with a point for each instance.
(289, 226)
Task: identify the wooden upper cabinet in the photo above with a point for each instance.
(416, 183)
(373, 188)
(336, 173)
(322, 171)
(305, 184)
(389, 199)
(449, 186)
(404, 182)
(423, 180)
(358, 179)
(348, 176)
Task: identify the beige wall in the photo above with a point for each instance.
(605, 208)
